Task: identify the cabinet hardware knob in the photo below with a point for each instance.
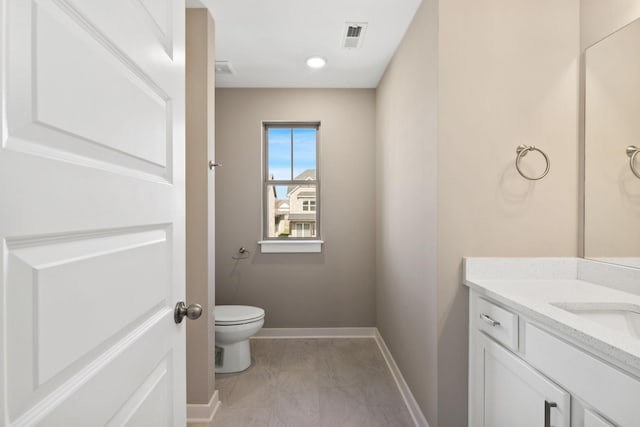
(489, 320)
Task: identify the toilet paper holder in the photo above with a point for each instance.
(244, 253)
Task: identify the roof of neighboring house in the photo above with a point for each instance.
(282, 205)
(307, 175)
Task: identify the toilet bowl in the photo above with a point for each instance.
(235, 324)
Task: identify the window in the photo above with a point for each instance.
(303, 229)
(291, 184)
(308, 205)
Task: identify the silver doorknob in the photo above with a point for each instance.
(193, 312)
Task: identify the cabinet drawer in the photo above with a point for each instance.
(498, 323)
(612, 392)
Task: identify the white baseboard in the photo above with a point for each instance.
(316, 333)
(201, 415)
(409, 400)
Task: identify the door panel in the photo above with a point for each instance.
(91, 212)
(80, 273)
(149, 405)
(76, 88)
(150, 20)
(86, 100)
(109, 385)
(159, 12)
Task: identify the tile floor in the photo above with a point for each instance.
(312, 382)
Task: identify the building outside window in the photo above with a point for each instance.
(304, 229)
(291, 184)
(309, 205)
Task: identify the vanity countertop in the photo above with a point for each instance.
(531, 286)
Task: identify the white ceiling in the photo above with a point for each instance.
(268, 41)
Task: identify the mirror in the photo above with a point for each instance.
(612, 123)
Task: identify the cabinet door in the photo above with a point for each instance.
(593, 420)
(514, 394)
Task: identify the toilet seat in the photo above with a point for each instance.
(228, 315)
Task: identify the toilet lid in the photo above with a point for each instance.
(237, 314)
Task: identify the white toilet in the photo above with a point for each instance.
(235, 324)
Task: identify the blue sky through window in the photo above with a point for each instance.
(279, 153)
(281, 145)
(304, 150)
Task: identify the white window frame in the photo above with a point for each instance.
(303, 227)
(289, 244)
(309, 206)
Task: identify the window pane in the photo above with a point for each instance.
(304, 153)
(279, 147)
(286, 215)
(304, 229)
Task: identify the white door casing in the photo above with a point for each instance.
(91, 212)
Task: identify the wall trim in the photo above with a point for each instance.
(405, 391)
(201, 414)
(316, 333)
(290, 246)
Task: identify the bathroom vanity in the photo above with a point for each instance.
(553, 342)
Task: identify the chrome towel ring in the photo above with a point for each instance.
(632, 151)
(522, 151)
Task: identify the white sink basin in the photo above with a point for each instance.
(621, 317)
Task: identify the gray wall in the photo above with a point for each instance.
(600, 18)
(406, 208)
(463, 90)
(507, 74)
(331, 289)
(199, 181)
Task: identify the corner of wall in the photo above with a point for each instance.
(199, 201)
(406, 190)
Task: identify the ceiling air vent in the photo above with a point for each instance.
(224, 67)
(353, 34)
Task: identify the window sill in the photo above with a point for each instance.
(290, 247)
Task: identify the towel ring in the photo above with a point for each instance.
(632, 151)
(522, 151)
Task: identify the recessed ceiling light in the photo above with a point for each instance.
(316, 62)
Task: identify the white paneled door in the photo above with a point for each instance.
(91, 212)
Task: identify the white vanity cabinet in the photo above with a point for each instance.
(504, 390)
(513, 393)
(592, 419)
(522, 375)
